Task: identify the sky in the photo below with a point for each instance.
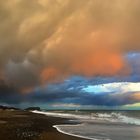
(70, 54)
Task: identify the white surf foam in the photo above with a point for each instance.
(86, 129)
(110, 117)
(118, 117)
(63, 115)
(58, 127)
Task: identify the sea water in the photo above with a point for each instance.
(99, 125)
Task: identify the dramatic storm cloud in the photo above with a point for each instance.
(66, 37)
(48, 41)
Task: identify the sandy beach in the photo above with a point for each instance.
(24, 125)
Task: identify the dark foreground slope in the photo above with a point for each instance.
(23, 125)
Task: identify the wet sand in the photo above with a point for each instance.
(24, 125)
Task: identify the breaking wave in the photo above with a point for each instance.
(109, 117)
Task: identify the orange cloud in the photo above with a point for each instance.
(100, 62)
(62, 38)
(49, 74)
(136, 96)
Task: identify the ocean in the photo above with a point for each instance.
(99, 125)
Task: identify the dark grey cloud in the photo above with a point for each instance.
(9, 94)
(65, 93)
(81, 98)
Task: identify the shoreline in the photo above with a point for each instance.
(78, 136)
(56, 126)
(100, 130)
(61, 131)
(24, 125)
